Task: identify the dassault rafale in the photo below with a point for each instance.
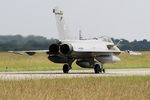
(87, 53)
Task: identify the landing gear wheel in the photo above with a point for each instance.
(66, 68)
(97, 69)
(100, 70)
(103, 70)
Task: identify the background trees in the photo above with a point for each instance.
(18, 42)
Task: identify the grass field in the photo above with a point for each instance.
(132, 61)
(15, 62)
(102, 88)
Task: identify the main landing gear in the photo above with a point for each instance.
(98, 69)
(66, 68)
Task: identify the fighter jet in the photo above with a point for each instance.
(87, 53)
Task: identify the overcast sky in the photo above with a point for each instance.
(129, 19)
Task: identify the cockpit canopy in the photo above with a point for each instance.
(102, 38)
(106, 39)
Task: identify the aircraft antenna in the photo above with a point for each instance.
(80, 34)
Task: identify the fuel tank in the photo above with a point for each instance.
(83, 63)
(57, 59)
(108, 58)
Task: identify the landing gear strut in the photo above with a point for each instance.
(66, 68)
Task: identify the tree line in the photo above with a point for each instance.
(18, 42)
(142, 45)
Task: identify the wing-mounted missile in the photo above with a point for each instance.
(30, 52)
(16, 52)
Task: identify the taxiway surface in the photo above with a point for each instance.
(72, 74)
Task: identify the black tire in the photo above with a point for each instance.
(103, 70)
(66, 68)
(96, 68)
(100, 70)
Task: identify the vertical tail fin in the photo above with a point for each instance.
(63, 30)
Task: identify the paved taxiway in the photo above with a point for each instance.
(72, 74)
